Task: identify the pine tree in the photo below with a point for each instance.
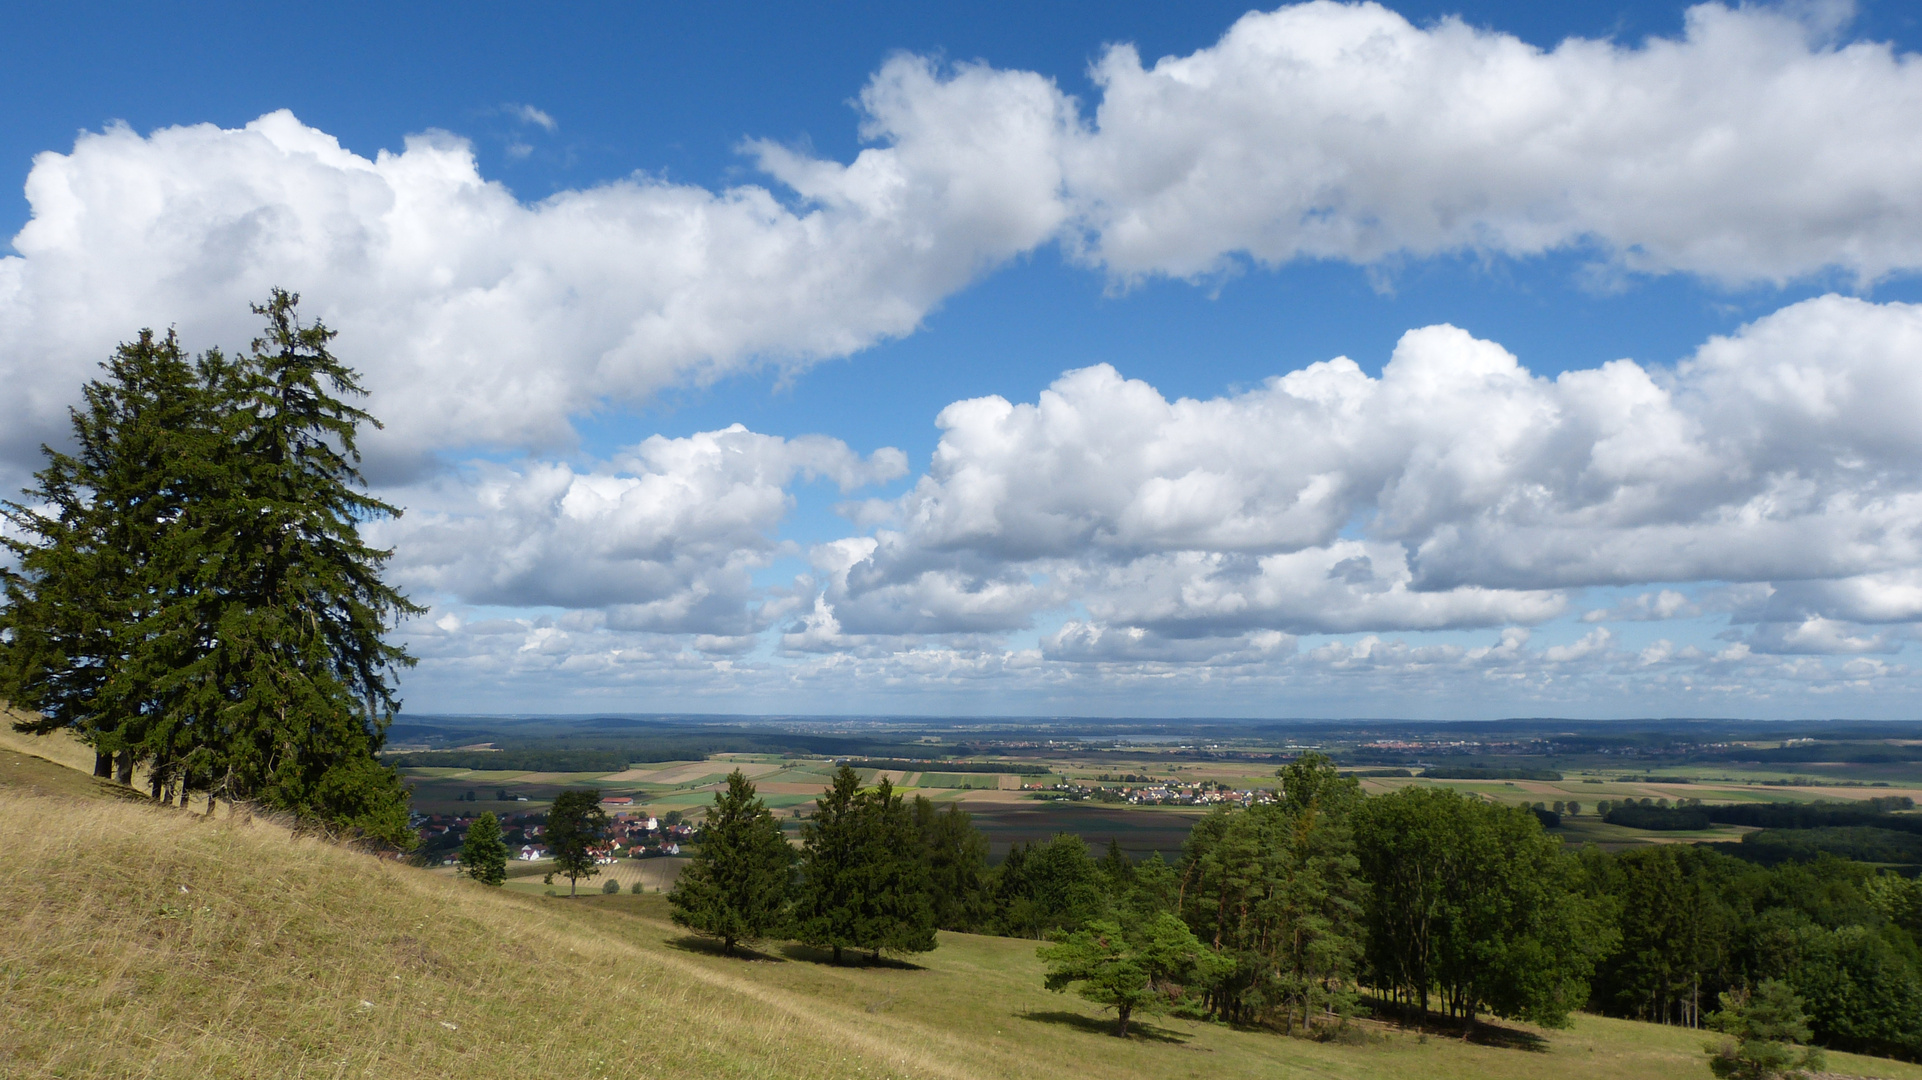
(736, 887)
(296, 689)
(1764, 1027)
(576, 829)
(1130, 966)
(483, 854)
(195, 595)
(78, 645)
(830, 899)
(896, 913)
(957, 857)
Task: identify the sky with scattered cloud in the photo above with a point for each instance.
(1334, 360)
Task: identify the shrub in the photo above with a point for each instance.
(611, 887)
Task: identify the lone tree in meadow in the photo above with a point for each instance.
(1130, 966)
(736, 887)
(1765, 1028)
(576, 830)
(483, 854)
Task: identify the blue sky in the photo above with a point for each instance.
(540, 307)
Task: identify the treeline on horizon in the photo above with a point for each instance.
(1327, 902)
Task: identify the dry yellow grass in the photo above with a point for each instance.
(146, 942)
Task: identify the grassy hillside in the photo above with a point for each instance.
(148, 942)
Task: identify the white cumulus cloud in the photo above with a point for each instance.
(664, 537)
(478, 319)
(1751, 148)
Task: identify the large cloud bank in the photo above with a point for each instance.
(1458, 489)
(1748, 149)
(1772, 478)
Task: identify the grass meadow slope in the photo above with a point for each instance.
(145, 942)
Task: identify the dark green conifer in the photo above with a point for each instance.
(483, 854)
(896, 914)
(295, 686)
(832, 886)
(78, 645)
(957, 857)
(736, 887)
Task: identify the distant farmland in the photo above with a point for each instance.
(1140, 831)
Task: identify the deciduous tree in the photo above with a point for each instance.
(576, 831)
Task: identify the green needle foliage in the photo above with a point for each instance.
(865, 879)
(483, 854)
(1765, 1028)
(736, 887)
(1134, 965)
(1276, 890)
(832, 887)
(81, 610)
(576, 833)
(897, 915)
(193, 593)
(957, 857)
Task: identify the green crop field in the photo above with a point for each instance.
(961, 780)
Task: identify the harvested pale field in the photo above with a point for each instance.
(645, 774)
(684, 774)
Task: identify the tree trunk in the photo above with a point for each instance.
(1121, 1020)
(837, 956)
(123, 767)
(727, 946)
(103, 765)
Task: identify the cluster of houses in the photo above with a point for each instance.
(1169, 793)
(632, 834)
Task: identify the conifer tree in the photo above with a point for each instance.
(195, 594)
(576, 829)
(736, 887)
(1765, 1027)
(78, 647)
(483, 854)
(1130, 966)
(296, 685)
(896, 913)
(831, 896)
(957, 857)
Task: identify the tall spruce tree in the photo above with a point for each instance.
(483, 854)
(78, 646)
(196, 595)
(736, 887)
(831, 894)
(896, 912)
(297, 682)
(957, 857)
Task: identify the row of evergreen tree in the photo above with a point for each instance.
(192, 596)
(862, 879)
(1286, 912)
